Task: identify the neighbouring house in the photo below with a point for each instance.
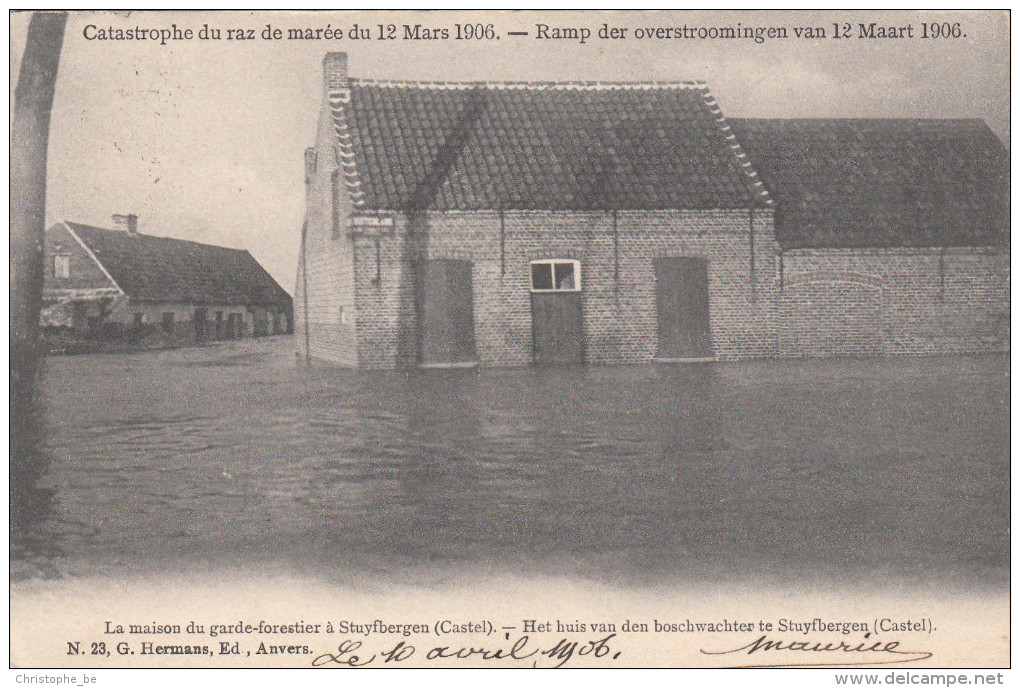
(456, 224)
(120, 285)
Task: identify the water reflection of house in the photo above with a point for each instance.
(454, 224)
(122, 285)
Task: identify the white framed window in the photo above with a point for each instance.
(555, 275)
(61, 267)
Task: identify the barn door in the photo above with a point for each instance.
(681, 300)
(448, 325)
(557, 322)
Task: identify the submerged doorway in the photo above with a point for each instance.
(448, 323)
(557, 322)
(681, 302)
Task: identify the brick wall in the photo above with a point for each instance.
(893, 301)
(324, 322)
(384, 298)
(808, 303)
(618, 283)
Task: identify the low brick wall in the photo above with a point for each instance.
(893, 301)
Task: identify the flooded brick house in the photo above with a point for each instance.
(458, 224)
(119, 284)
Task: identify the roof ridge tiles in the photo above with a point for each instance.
(958, 121)
(569, 84)
(153, 236)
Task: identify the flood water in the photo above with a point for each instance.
(238, 455)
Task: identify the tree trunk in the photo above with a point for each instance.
(33, 99)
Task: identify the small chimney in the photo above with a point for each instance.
(129, 223)
(334, 70)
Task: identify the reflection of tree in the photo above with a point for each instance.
(33, 100)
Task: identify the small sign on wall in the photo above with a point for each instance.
(371, 221)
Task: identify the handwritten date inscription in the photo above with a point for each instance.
(349, 653)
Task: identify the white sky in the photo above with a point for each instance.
(204, 139)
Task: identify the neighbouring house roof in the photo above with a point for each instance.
(150, 268)
(881, 182)
(589, 146)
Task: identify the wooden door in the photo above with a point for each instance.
(557, 327)
(681, 301)
(200, 317)
(448, 324)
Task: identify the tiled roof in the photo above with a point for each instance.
(151, 268)
(415, 146)
(881, 182)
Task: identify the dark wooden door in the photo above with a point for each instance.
(448, 322)
(200, 317)
(557, 327)
(681, 301)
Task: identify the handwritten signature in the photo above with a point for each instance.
(349, 653)
(867, 652)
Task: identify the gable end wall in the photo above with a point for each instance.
(85, 272)
(325, 264)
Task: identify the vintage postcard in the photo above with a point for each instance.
(511, 339)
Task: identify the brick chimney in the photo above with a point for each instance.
(334, 70)
(129, 223)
